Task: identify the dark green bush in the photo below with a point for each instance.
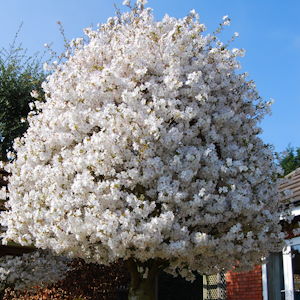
(20, 74)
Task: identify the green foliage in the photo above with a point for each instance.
(19, 75)
(289, 160)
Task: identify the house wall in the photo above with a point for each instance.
(245, 285)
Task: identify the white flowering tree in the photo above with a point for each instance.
(147, 149)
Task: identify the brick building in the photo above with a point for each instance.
(245, 285)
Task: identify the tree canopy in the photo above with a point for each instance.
(147, 149)
(289, 159)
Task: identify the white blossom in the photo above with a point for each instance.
(226, 21)
(126, 2)
(147, 147)
(3, 193)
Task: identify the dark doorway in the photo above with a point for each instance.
(177, 288)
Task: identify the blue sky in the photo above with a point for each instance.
(269, 31)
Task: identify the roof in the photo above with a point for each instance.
(292, 182)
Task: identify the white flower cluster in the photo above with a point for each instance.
(147, 147)
(3, 193)
(32, 269)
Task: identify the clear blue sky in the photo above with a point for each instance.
(269, 31)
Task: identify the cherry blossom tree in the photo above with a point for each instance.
(147, 149)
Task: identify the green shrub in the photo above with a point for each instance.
(20, 74)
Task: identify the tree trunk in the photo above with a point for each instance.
(143, 287)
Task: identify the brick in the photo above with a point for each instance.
(244, 285)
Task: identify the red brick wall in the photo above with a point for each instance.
(245, 285)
